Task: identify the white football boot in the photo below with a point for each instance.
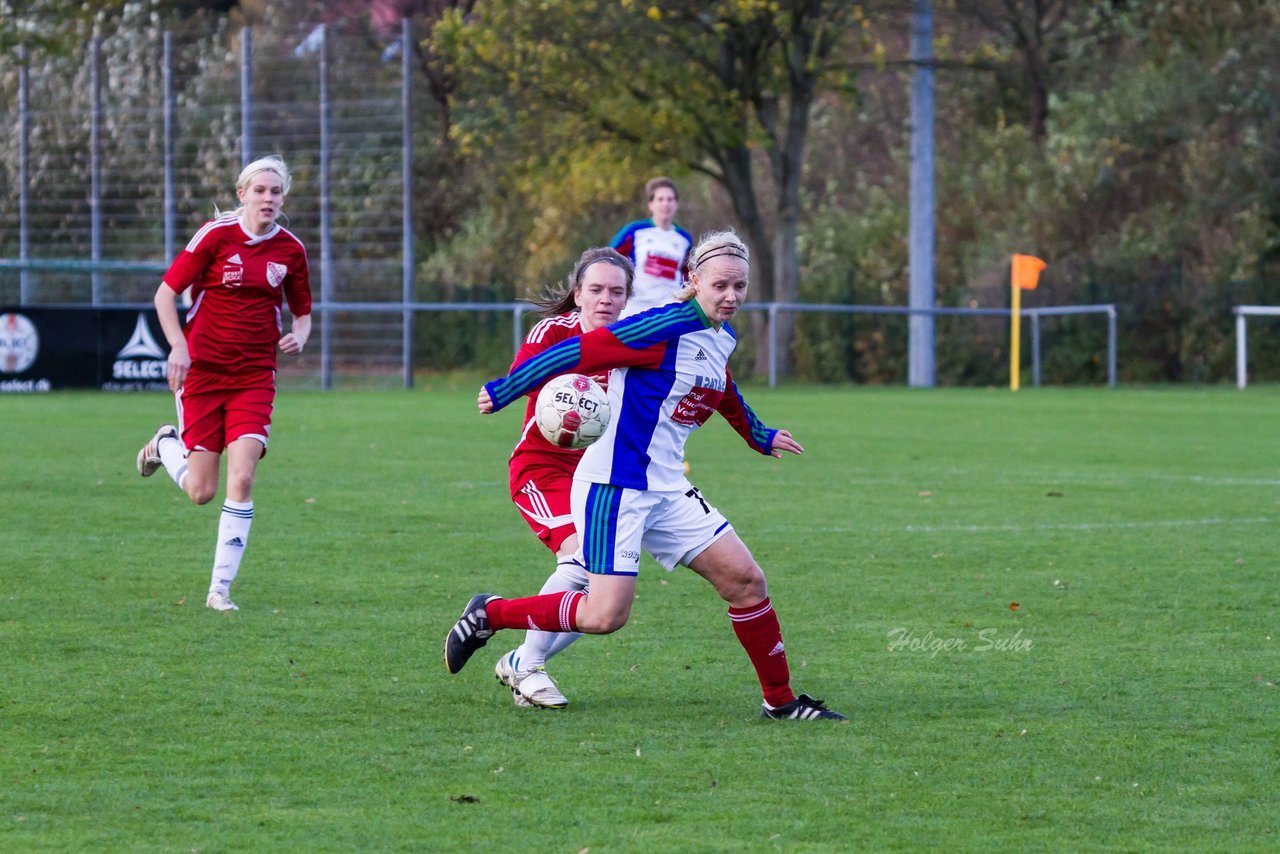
(149, 456)
(531, 687)
(220, 602)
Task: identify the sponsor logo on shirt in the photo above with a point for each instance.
(232, 275)
(235, 259)
(700, 356)
(276, 273)
(697, 406)
(660, 267)
(716, 383)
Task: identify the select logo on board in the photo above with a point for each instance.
(141, 364)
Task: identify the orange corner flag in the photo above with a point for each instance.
(1026, 271)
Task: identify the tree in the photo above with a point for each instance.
(717, 87)
(1034, 39)
(50, 26)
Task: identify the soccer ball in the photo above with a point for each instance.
(572, 411)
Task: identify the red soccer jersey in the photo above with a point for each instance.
(238, 283)
(533, 448)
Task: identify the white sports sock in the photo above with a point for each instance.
(233, 533)
(174, 458)
(539, 646)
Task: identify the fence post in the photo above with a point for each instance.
(773, 345)
(517, 331)
(24, 174)
(246, 96)
(95, 164)
(1242, 351)
(1111, 346)
(406, 198)
(326, 235)
(170, 195)
(1035, 348)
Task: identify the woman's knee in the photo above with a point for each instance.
(240, 484)
(200, 492)
(748, 584)
(605, 622)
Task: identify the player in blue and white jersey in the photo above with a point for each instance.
(630, 491)
(657, 247)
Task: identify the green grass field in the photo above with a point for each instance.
(1127, 702)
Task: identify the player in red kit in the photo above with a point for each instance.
(241, 267)
(541, 474)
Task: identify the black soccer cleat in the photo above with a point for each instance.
(468, 634)
(802, 708)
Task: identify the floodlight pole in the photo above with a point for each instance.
(920, 355)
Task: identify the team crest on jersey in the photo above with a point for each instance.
(276, 273)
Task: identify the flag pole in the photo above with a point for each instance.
(1015, 337)
(1024, 274)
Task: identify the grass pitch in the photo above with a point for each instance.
(1051, 616)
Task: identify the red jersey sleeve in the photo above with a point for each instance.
(297, 286)
(192, 261)
(743, 419)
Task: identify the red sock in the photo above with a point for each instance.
(552, 612)
(760, 635)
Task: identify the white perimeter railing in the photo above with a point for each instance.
(1242, 341)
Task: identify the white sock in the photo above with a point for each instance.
(233, 533)
(174, 458)
(539, 646)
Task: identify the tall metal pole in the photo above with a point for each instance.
(1035, 348)
(326, 235)
(246, 96)
(24, 174)
(95, 165)
(170, 195)
(920, 357)
(406, 238)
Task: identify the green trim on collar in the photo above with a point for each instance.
(706, 321)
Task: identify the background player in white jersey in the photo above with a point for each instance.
(657, 247)
(541, 473)
(630, 491)
(222, 362)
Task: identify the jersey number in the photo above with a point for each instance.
(697, 496)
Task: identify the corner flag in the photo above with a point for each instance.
(1025, 275)
(1026, 271)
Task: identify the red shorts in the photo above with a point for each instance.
(541, 493)
(211, 420)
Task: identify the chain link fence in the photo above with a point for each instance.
(116, 154)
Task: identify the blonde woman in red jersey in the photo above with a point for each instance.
(241, 267)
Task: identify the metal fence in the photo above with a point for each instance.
(115, 156)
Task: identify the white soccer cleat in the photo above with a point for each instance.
(149, 456)
(220, 602)
(529, 687)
